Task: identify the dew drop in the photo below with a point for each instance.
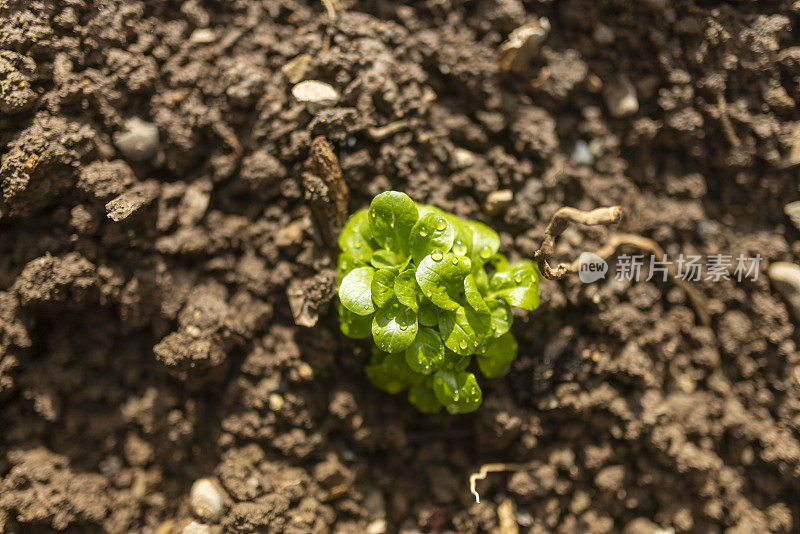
(455, 261)
(442, 225)
(518, 278)
(460, 249)
(403, 327)
(388, 348)
(474, 343)
(428, 293)
(423, 232)
(437, 256)
(462, 344)
(357, 245)
(455, 396)
(485, 252)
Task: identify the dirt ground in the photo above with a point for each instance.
(146, 337)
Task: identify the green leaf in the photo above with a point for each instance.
(406, 289)
(428, 313)
(394, 327)
(499, 352)
(390, 373)
(356, 237)
(458, 391)
(354, 326)
(383, 286)
(501, 317)
(344, 264)
(481, 278)
(473, 295)
(463, 329)
(485, 242)
(424, 399)
(387, 259)
(462, 244)
(455, 362)
(440, 278)
(391, 216)
(519, 286)
(426, 353)
(355, 291)
(431, 233)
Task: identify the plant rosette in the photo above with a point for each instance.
(434, 294)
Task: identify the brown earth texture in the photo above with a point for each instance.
(160, 216)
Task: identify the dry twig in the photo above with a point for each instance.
(560, 221)
(485, 469)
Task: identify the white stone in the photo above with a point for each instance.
(206, 499)
(314, 92)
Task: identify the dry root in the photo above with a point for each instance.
(560, 221)
(485, 469)
(564, 216)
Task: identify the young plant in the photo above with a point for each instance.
(432, 291)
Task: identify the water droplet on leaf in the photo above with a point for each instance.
(437, 256)
(485, 252)
(423, 233)
(442, 225)
(462, 344)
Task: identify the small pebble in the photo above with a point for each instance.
(138, 140)
(463, 158)
(132, 200)
(377, 527)
(792, 210)
(196, 528)
(581, 153)
(203, 36)
(603, 34)
(785, 277)
(620, 96)
(314, 92)
(276, 402)
(497, 201)
(523, 44)
(206, 499)
(296, 69)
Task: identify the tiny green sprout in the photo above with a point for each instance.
(432, 291)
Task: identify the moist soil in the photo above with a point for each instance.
(146, 334)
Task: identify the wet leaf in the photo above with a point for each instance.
(463, 329)
(354, 326)
(473, 295)
(355, 291)
(426, 353)
(431, 233)
(518, 286)
(406, 289)
(391, 216)
(424, 399)
(501, 317)
(390, 373)
(356, 237)
(383, 286)
(499, 352)
(458, 391)
(394, 327)
(440, 276)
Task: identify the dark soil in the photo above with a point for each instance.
(146, 336)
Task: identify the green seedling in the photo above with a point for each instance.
(432, 291)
